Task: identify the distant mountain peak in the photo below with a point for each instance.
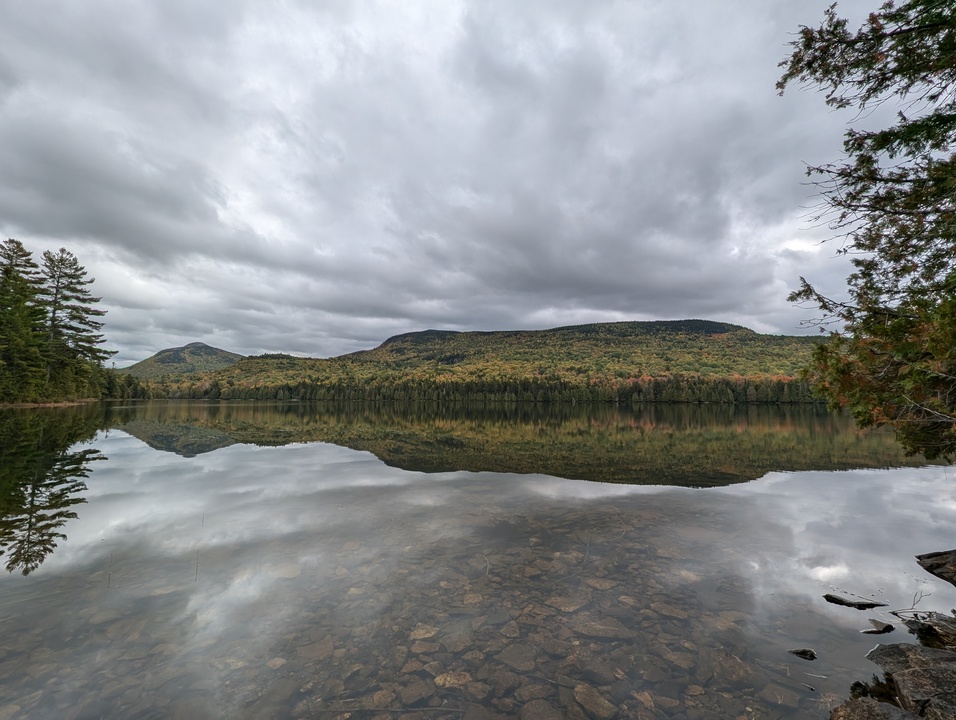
(194, 357)
(420, 336)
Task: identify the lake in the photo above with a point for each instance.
(221, 560)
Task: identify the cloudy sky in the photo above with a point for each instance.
(315, 176)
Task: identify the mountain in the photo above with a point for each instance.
(671, 361)
(195, 357)
(615, 350)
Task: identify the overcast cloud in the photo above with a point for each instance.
(313, 177)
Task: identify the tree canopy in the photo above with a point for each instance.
(892, 203)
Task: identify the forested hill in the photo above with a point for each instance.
(576, 332)
(195, 357)
(679, 361)
(628, 349)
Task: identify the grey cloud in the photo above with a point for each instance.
(65, 181)
(317, 177)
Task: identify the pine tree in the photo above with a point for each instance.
(72, 337)
(21, 319)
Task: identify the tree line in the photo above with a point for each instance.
(670, 389)
(50, 339)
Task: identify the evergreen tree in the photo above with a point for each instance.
(21, 320)
(72, 337)
(893, 204)
(49, 329)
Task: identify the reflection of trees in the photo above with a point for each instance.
(40, 481)
(691, 445)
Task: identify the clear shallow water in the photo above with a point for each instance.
(311, 580)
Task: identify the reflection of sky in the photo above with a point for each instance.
(172, 498)
(264, 518)
(855, 531)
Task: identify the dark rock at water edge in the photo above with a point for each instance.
(906, 656)
(869, 709)
(928, 692)
(933, 629)
(921, 679)
(941, 564)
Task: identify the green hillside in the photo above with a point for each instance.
(622, 350)
(670, 361)
(193, 358)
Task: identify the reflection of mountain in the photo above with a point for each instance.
(40, 479)
(656, 444)
(185, 440)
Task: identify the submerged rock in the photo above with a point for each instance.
(422, 632)
(566, 604)
(520, 657)
(416, 692)
(594, 703)
(540, 710)
(452, 679)
(606, 628)
(805, 653)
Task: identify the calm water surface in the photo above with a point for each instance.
(176, 569)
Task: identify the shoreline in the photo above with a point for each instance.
(58, 403)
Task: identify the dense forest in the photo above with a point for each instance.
(687, 361)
